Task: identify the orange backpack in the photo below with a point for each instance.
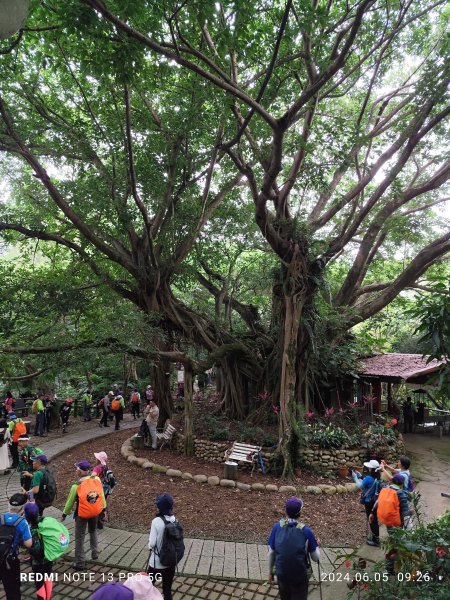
(115, 404)
(135, 398)
(388, 512)
(90, 497)
(19, 429)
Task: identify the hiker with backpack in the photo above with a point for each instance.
(118, 406)
(38, 409)
(370, 487)
(391, 509)
(87, 497)
(14, 532)
(87, 406)
(50, 542)
(105, 405)
(291, 545)
(107, 478)
(402, 467)
(135, 403)
(5, 439)
(43, 484)
(16, 428)
(166, 544)
(25, 467)
(64, 413)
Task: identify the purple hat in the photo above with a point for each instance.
(40, 457)
(398, 479)
(31, 509)
(293, 507)
(112, 591)
(83, 465)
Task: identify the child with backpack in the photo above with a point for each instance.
(166, 544)
(391, 509)
(291, 545)
(370, 487)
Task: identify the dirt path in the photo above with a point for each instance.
(430, 464)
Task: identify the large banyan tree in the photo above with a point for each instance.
(140, 133)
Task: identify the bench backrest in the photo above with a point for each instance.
(169, 431)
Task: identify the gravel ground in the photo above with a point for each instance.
(207, 511)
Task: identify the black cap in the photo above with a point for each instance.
(18, 500)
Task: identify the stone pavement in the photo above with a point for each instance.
(210, 569)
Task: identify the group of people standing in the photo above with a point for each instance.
(87, 500)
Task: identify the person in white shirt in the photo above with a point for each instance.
(164, 504)
(152, 412)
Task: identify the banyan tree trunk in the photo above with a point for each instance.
(295, 294)
(188, 412)
(231, 389)
(160, 377)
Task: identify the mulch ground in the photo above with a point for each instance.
(207, 511)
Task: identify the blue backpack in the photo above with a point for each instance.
(291, 561)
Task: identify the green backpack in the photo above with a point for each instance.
(55, 538)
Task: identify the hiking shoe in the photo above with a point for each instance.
(76, 567)
(94, 555)
(372, 543)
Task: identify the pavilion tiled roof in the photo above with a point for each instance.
(402, 366)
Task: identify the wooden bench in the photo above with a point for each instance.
(166, 436)
(245, 453)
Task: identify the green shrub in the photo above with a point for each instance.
(268, 440)
(331, 437)
(422, 562)
(220, 434)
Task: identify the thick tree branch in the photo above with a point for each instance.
(417, 267)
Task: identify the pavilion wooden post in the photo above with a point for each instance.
(376, 386)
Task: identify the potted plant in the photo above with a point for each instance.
(343, 471)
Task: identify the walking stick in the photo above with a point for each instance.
(320, 581)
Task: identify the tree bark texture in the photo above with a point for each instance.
(188, 412)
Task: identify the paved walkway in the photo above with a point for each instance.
(210, 569)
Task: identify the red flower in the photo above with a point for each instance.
(329, 412)
(348, 563)
(441, 552)
(309, 415)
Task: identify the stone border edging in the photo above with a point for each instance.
(127, 451)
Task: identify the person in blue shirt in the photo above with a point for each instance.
(291, 543)
(10, 567)
(370, 487)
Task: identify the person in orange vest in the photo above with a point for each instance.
(391, 508)
(87, 496)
